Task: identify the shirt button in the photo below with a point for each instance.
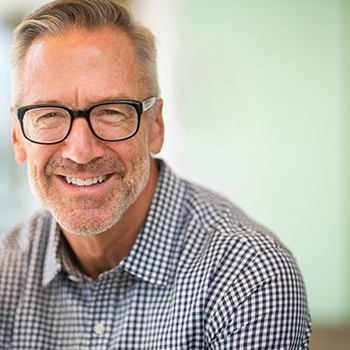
(99, 328)
(74, 278)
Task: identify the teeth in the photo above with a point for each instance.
(85, 182)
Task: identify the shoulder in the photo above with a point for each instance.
(18, 244)
(232, 234)
(218, 219)
(238, 255)
(19, 251)
(22, 252)
(250, 277)
(18, 239)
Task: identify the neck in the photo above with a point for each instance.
(98, 253)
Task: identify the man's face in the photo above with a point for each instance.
(78, 69)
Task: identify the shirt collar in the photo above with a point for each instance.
(153, 256)
(52, 264)
(58, 257)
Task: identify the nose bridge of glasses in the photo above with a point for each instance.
(80, 114)
(83, 113)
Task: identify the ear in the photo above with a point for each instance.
(18, 141)
(156, 135)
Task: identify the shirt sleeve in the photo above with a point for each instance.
(263, 307)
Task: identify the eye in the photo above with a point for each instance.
(46, 117)
(113, 113)
(49, 116)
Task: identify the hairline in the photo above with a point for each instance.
(141, 67)
(35, 27)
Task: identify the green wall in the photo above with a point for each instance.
(262, 97)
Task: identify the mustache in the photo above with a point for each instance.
(69, 167)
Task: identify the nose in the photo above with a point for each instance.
(81, 145)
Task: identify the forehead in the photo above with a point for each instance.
(80, 61)
(106, 39)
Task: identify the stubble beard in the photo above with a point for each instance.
(92, 216)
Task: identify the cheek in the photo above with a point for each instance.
(35, 181)
(37, 159)
(40, 184)
(136, 147)
(34, 173)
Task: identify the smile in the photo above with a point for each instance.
(85, 182)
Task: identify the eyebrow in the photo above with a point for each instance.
(42, 102)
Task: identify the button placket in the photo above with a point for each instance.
(101, 311)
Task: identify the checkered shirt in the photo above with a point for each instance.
(201, 275)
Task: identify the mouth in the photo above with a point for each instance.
(85, 182)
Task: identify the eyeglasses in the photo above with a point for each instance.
(109, 121)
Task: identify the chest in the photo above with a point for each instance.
(117, 312)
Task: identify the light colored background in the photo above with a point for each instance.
(256, 108)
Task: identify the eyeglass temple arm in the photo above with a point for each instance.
(148, 103)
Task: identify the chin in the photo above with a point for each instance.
(86, 228)
(88, 222)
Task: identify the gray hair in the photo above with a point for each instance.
(60, 15)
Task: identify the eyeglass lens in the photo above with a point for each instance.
(52, 124)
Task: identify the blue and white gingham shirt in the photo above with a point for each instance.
(201, 275)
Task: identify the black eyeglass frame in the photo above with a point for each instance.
(139, 106)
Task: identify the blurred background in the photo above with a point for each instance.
(256, 108)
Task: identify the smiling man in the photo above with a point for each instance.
(124, 254)
(93, 185)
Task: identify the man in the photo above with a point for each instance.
(125, 254)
